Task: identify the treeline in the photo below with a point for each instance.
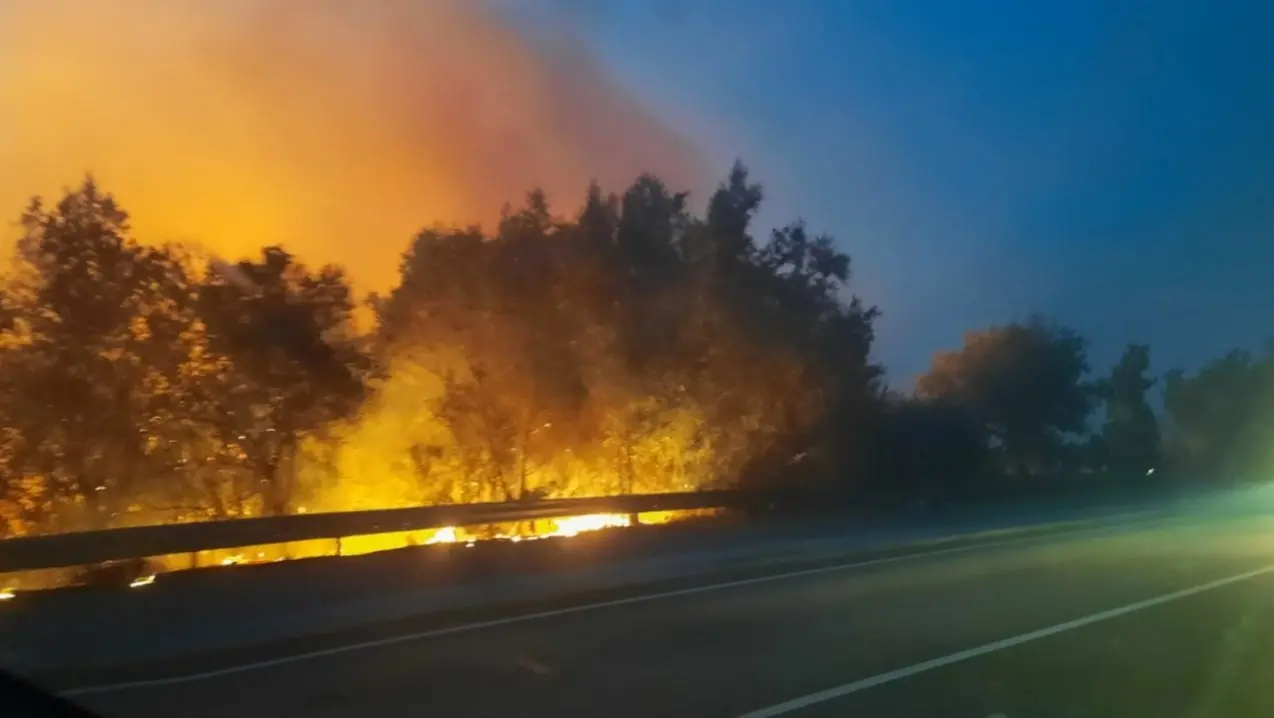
(1017, 408)
(629, 347)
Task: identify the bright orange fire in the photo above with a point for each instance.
(359, 545)
(336, 128)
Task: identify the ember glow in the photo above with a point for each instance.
(566, 527)
(514, 532)
(574, 526)
(561, 528)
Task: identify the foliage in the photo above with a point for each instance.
(630, 348)
(139, 381)
(1025, 384)
(1221, 419)
(1130, 436)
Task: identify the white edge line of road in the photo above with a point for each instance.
(806, 701)
(478, 625)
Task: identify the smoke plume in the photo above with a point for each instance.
(335, 127)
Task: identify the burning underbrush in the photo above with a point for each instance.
(139, 573)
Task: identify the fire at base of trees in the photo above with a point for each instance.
(631, 348)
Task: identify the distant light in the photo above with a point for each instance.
(469, 545)
(99, 488)
(1151, 471)
(143, 581)
(302, 510)
(7, 594)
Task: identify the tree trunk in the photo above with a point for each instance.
(279, 495)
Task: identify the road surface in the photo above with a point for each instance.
(1169, 617)
(247, 606)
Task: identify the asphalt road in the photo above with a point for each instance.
(1168, 618)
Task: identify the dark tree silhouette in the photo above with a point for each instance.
(293, 363)
(1130, 436)
(1221, 419)
(1025, 382)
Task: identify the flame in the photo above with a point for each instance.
(514, 532)
(336, 128)
(563, 528)
(576, 525)
(447, 534)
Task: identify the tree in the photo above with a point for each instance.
(93, 352)
(513, 382)
(1221, 419)
(723, 239)
(654, 348)
(631, 348)
(1024, 382)
(1130, 436)
(294, 362)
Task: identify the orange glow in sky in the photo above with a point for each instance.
(335, 127)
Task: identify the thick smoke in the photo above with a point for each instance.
(335, 127)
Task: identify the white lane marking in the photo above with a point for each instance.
(462, 628)
(845, 689)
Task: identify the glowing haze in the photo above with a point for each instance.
(335, 127)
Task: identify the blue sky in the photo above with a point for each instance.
(1107, 162)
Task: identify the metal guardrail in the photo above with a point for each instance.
(91, 547)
